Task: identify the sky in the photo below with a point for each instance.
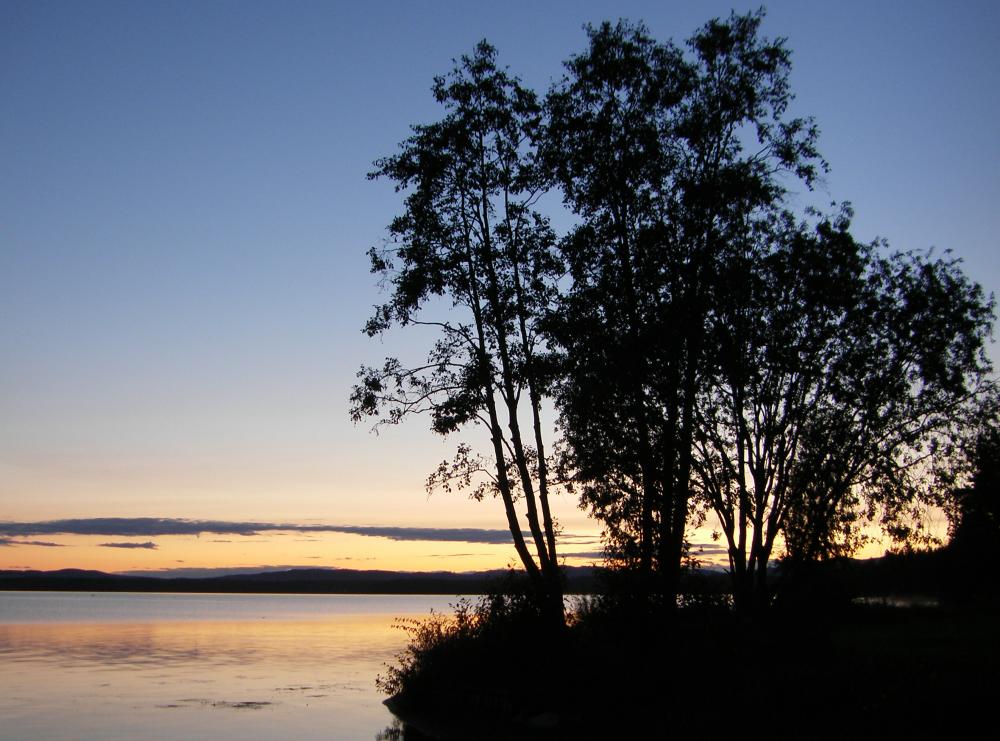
(184, 216)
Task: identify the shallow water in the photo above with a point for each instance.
(115, 666)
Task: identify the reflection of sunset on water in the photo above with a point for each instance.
(212, 645)
(290, 667)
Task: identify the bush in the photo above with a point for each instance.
(449, 653)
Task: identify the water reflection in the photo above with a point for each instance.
(399, 731)
(191, 679)
(211, 645)
(889, 600)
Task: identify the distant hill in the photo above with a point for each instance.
(289, 581)
(927, 573)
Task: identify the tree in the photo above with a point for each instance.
(471, 258)
(708, 350)
(649, 146)
(975, 517)
(840, 374)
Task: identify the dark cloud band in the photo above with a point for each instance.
(156, 526)
(148, 545)
(44, 543)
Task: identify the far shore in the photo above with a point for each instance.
(294, 581)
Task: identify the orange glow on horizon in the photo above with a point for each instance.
(269, 549)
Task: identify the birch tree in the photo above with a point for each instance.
(667, 156)
(471, 258)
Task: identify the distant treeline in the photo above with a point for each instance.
(943, 574)
(936, 573)
(295, 581)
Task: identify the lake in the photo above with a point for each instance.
(116, 666)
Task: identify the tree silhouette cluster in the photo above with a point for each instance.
(708, 350)
(973, 557)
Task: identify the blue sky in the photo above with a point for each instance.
(184, 215)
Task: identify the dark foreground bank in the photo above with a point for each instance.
(621, 672)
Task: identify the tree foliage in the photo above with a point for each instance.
(471, 258)
(674, 163)
(975, 510)
(710, 351)
(840, 372)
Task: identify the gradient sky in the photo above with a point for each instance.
(184, 216)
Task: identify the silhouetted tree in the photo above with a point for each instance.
(672, 162)
(470, 258)
(708, 351)
(840, 372)
(975, 519)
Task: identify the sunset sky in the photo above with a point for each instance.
(184, 216)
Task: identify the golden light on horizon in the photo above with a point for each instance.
(267, 549)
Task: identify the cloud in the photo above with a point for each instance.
(579, 538)
(44, 543)
(442, 534)
(149, 545)
(697, 549)
(158, 526)
(708, 549)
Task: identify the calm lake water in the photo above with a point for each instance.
(116, 666)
